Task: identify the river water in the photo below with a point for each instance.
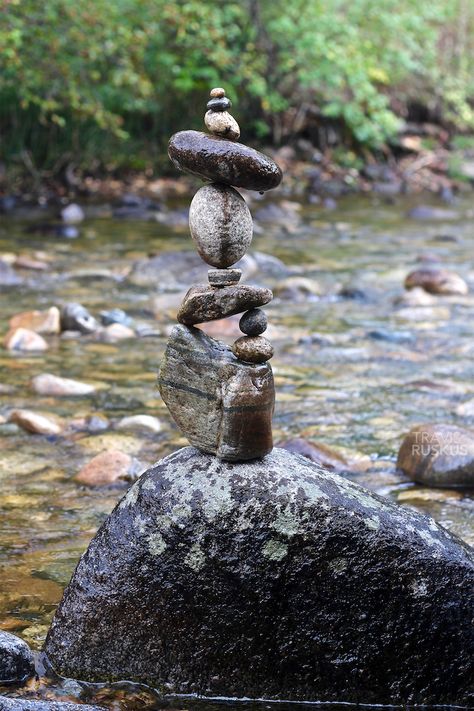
(353, 372)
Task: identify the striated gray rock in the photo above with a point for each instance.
(16, 659)
(221, 405)
(224, 277)
(220, 224)
(205, 303)
(438, 455)
(22, 704)
(223, 161)
(269, 579)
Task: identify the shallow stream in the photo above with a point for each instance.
(353, 372)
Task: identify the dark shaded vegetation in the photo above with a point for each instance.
(100, 86)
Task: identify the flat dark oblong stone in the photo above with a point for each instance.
(223, 161)
(204, 303)
(222, 405)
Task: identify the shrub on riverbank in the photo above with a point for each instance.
(103, 84)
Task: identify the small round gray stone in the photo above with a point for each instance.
(252, 349)
(224, 277)
(217, 93)
(220, 224)
(253, 322)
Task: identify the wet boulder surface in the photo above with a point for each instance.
(269, 579)
(16, 659)
(22, 704)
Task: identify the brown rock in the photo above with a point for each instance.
(24, 262)
(48, 384)
(35, 422)
(106, 468)
(204, 303)
(438, 455)
(317, 452)
(252, 349)
(437, 281)
(221, 405)
(22, 339)
(223, 161)
(220, 224)
(39, 321)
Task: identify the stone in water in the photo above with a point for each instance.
(269, 579)
(220, 224)
(223, 161)
(204, 303)
(223, 406)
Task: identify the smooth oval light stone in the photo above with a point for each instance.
(217, 93)
(252, 349)
(223, 161)
(220, 224)
(221, 123)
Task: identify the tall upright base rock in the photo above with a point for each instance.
(221, 404)
(273, 579)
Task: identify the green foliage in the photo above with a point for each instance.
(104, 83)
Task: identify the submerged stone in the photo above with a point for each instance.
(16, 659)
(221, 405)
(205, 303)
(269, 579)
(438, 455)
(220, 224)
(223, 161)
(23, 704)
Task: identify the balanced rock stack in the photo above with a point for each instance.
(221, 398)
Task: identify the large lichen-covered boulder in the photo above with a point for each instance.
(271, 578)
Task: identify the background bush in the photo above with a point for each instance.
(102, 84)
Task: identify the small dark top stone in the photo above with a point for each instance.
(222, 104)
(253, 322)
(223, 161)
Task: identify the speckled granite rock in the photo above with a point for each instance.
(270, 579)
(221, 405)
(204, 303)
(22, 704)
(220, 224)
(223, 161)
(16, 659)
